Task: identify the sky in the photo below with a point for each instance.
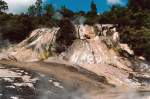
(19, 6)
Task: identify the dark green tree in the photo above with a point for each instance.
(66, 35)
(92, 16)
(3, 6)
(139, 4)
(49, 10)
(66, 12)
(32, 10)
(93, 8)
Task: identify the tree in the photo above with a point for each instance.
(38, 5)
(92, 16)
(93, 8)
(66, 12)
(32, 10)
(49, 10)
(3, 6)
(139, 4)
(66, 35)
(35, 10)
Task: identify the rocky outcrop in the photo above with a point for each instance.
(95, 48)
(36, 47)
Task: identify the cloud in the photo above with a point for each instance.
(19, 6)
(112, 2)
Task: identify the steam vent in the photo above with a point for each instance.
(81, 56)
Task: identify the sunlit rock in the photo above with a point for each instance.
(36, 47)
(95, 48)
(126, 48)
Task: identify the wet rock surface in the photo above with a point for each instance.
(17, 84)
(21, 84)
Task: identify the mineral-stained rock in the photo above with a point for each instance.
(96, 48)
(36, 47)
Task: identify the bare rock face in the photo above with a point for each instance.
(96, 45)
(42, 42)
(85, 32)
(36, 47)
(95, 48)
(99, 54)
(98, 50)
(94, 51)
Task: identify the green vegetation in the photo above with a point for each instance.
(134, 25)
(32, 10)
(133, 22)
(38, 6)
(3, 6)
(49, 10)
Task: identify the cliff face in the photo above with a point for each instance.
(96, 48)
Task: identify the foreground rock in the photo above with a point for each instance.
(18, 83)
(53, 81)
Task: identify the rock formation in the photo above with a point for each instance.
(96, 48)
